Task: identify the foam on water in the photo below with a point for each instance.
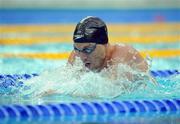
(77, 80)
(69, 83)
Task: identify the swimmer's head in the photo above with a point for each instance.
(91, 30)
(90, 41)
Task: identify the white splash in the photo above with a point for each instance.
(77, 80)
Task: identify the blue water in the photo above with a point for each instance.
(45, 16)
(167, 88)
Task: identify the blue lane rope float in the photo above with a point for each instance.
(164, 73)
(90, 108)
(84, 108)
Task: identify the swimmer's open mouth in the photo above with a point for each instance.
(87, 64)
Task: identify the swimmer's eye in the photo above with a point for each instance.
(88, 50)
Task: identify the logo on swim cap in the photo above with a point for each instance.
(76, 37)
(91, 29)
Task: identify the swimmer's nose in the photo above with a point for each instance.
(83, 56)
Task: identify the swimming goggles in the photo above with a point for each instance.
(87, 50)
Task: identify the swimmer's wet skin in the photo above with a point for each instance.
(92, 46)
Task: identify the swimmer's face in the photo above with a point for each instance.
(91, 54)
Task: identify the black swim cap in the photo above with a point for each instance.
(91, 29)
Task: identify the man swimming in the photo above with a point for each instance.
(92, 46)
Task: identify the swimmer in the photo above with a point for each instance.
(91, 45)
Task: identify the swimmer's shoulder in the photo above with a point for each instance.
(120, 50)
(124, 49)
(121, 46)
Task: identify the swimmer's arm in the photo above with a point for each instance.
(135, 60)
(128, 56)
(132, 58)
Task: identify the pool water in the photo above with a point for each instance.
(87, 86)
(42, 44)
